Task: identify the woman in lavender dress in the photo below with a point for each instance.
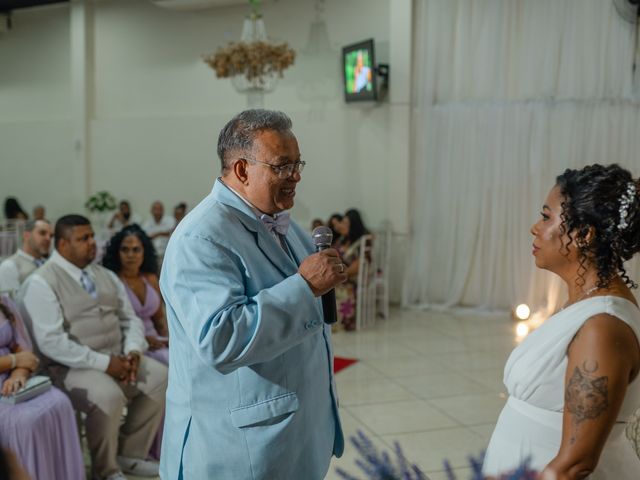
(131, 255)
(42, 431)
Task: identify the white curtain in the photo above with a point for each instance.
(508, 94)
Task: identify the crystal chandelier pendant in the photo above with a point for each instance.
(254, 31)
(254, 63)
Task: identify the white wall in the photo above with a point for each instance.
(36, 152)
(155, 109)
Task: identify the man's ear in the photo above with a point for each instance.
(240, 170)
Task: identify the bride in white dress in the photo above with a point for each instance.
(573, 382)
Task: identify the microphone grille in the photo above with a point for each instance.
(322, 236)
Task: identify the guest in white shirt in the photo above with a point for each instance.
(159, 228)
(36, 245)
(39, 212)
(91, 343)
(123, 217)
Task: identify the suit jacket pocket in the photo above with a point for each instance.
(256, 413)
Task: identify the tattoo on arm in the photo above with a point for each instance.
(586, 395)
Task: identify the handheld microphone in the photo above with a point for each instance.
(322, 237)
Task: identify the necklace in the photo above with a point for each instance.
(582, 297)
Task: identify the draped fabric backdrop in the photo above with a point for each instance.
(508, 94)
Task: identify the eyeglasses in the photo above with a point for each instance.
(282, 171)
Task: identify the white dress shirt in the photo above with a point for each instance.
(151, 227)
(118, 225)
(9, 275)
(47, 320)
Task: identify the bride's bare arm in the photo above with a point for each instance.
(603, 358)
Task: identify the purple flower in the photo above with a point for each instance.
(380, 466)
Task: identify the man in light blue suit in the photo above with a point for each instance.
(251, 392)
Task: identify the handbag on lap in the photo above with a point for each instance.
(34, 386)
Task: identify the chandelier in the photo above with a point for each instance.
(255, 63)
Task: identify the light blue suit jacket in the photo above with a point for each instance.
(251, 392)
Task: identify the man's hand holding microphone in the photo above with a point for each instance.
(323, 271)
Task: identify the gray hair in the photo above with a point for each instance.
(240, 132)
(30, 225)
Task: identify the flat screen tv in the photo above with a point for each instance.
(358, 66)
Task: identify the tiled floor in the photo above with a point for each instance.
(430, 381)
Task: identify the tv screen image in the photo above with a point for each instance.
(359, 71)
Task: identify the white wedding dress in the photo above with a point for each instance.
(530, 425)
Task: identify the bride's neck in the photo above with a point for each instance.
(582, 283)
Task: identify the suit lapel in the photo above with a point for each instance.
(265, 241)
(297, 248)
(274, 251)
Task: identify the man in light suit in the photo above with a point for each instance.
(251, 392)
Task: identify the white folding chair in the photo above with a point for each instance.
(380, 262)
(10, 238)
(363, 286)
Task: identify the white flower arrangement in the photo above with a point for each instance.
(101, 202)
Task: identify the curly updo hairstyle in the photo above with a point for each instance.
(111, 258)
(596, 196)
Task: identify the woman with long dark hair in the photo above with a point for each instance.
(131, 255)
(333, 223)
(13, 210)
(352, 230)
(573, 382)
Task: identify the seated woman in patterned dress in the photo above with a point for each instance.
(352, 230)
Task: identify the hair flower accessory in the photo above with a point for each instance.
(625, 200)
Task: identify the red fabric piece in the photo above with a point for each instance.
(340, 363)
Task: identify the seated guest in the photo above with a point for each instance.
(315, 223)
(130, 254)
(91, 343)
(38, 212)
(13, 210)
(179, 212)
(332, 223)
(123, 217)
(159, 228)
(36, 245)
(41, 431)
(351, 230)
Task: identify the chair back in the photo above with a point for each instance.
(364, 282)
(10, 237)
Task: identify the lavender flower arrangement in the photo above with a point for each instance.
(378, 465)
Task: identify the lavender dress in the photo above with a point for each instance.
(145, 312)
(42, 432)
